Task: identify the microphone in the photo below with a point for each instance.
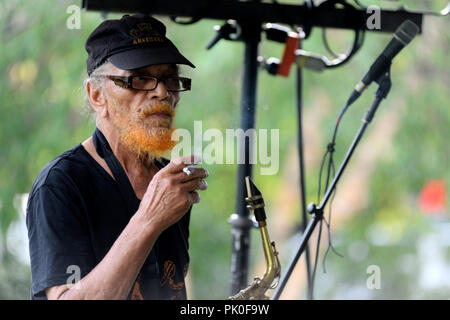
(402, 37)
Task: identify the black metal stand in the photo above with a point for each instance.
(240, 222)
(317, 212)
(325, 17)
(299, 87)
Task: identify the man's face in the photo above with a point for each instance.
(144, 119)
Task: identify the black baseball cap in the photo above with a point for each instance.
(134, 41)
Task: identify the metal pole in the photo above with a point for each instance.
(241, 222)
(299, 87)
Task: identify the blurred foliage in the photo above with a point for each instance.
(42, 63)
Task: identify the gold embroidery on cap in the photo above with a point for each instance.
(144, 33)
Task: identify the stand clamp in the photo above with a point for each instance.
(229, 31)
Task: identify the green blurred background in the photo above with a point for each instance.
(390, 213)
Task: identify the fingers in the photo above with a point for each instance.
(197, 184)
(187, 183)
(177, 164)
(196, 173)
(180, 167)
(194, 197)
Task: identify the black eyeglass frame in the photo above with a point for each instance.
(127, 81)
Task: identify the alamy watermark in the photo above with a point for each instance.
(374, 20)
(374, 280)
(73, 281)
(74, 20)
(220, 148)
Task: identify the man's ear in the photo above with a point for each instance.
(97, 98)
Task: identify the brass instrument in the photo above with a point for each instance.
(257, 289)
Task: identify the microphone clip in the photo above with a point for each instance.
(229, 31)
(384, 86)
(277, 33)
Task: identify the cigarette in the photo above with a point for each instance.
(187, 170)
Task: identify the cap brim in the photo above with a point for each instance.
(144, 57)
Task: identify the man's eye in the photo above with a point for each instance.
(119, 82)
(141, 79)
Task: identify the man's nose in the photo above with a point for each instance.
(160, 92)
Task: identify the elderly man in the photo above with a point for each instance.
(109, 218)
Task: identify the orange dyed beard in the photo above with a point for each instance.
(148, 137)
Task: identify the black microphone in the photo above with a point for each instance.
(402, 37)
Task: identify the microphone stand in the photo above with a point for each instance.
(240, 221)
(299, 87)
(317, 212)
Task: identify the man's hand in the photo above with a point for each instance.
(172, 192)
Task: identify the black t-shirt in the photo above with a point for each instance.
(76, 211)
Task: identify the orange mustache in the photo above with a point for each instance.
(157, 108)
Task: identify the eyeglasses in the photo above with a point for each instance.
(148, 83)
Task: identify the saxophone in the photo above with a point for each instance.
(257, 289)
